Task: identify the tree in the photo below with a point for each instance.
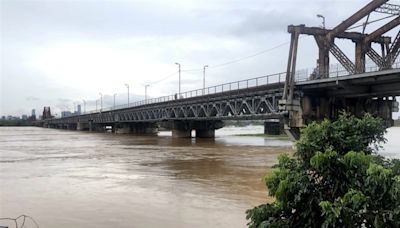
(335, 179)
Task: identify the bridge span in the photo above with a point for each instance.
(291, 98)
(253, 99)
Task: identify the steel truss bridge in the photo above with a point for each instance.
(293, 98)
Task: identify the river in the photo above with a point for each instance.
(79, 179)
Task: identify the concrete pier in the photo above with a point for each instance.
(273, 127)
(205, 133)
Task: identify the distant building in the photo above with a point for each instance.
(79, 111)
(3, 117)
(24, 117)
(47, 113)
(33, 115)
(66, 113)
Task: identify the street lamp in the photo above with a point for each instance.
(323, 20)
(145, 93)
(114, 100)
(127, 86)
(179, 71)
(96, 104)
(204, 77)
(84, 106)
(101, 101)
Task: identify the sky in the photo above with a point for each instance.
(58, 53)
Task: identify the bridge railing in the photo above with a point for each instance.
(337, 70)
(226, 87)
(301, 75)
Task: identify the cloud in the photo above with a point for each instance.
(32, 98)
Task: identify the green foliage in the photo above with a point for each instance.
(348, 133)
(334, 180)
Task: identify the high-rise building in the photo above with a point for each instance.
(33, 112)
(79, 110)
(46, 113)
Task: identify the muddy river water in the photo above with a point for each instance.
(69, 179)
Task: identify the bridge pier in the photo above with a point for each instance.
(181, 129)
(136, 128)
(205, 133)
(122, 128)
(273, 127)
(144, 128)
(318, 107)
(204, 129)
(82, 126)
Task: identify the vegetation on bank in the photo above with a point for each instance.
(17, 123)
(335, 179)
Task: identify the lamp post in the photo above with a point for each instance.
(179, 71)
(323, 20)
(84, 106)
(145, 93)
(127, 86)
(96, 104)
(101, 102)
(114, 100)
(204, 77)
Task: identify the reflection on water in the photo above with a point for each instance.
(79, 179)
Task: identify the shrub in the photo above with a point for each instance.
(334, 179)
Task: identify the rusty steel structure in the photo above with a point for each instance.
(285, 97)
(325, 40)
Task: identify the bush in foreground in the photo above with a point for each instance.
(334, 179)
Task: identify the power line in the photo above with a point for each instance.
(370, 22)
(163, 79)
(249, 56)
(241, 59)
(224, 63)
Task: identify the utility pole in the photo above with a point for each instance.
(204, 78)
(179, 71)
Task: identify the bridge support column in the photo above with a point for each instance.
(206, 129)
(181, 129)
(122, 128)
(205, 133)
(273, 127)
(90, 125)
(99, 128)
(82, 126)
(316, 108)
(144, 128)
(71, 126)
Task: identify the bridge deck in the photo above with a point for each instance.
(380, 83)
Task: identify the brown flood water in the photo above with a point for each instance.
(77, 179)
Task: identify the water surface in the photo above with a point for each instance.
(80, 179)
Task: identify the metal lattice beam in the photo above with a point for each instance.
(355, 18)
(374, 56)
(343, 59)
(389, 9)
(385, 28)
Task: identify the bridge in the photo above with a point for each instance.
(292, 98)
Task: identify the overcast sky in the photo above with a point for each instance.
(57, 53)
